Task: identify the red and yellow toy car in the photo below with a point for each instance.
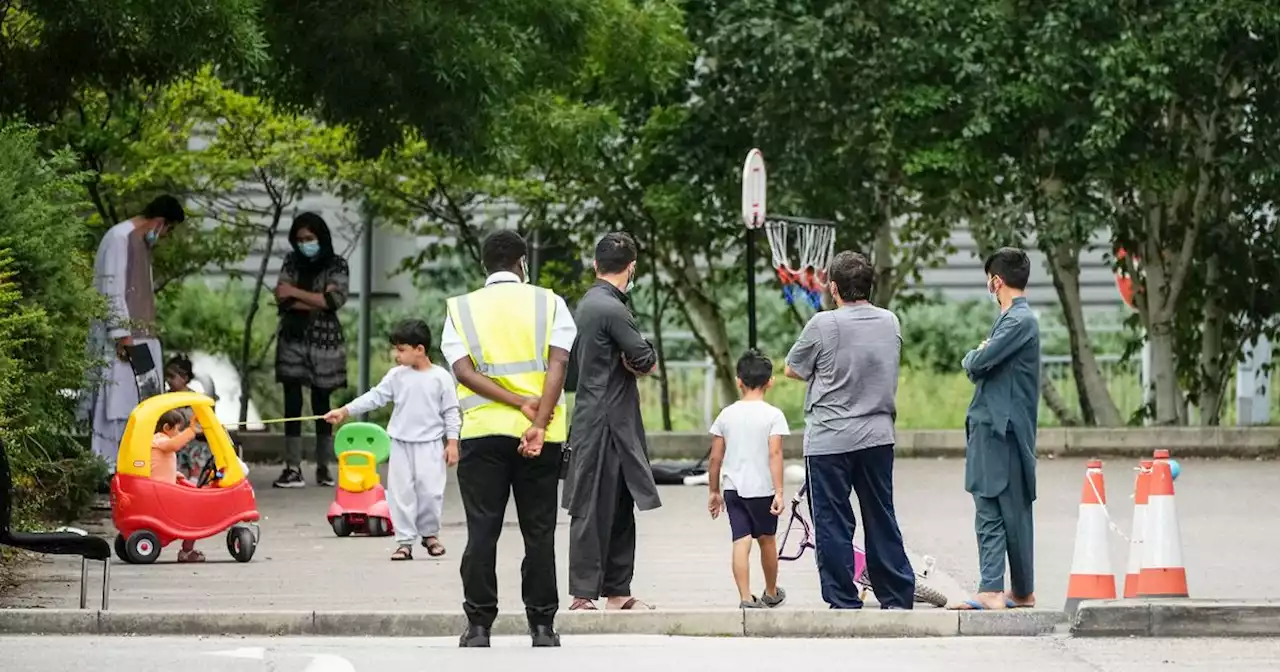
(150, 515)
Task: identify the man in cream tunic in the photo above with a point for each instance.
(122, 273)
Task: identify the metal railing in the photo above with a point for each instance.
(695, 399)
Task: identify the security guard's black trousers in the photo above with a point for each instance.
(490, 469)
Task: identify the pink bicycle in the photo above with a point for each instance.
(924, 594)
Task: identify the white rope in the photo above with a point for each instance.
(815, 244)
(1107, 513)
(831, 248)
(824, 245)
(778, 244)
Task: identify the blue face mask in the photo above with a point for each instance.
(310, 248)
(151, 237)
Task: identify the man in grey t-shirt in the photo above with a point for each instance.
(849, 359)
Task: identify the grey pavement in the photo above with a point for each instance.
(628, 653)
(1225, 510)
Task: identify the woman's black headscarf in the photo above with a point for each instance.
(309, 268)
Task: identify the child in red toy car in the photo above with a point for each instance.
(173, 433)
(424, 431)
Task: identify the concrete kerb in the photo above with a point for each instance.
(1177, 618)
(692, 623)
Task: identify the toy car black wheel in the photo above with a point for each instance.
(122, 549)
(341, 527)
(142, 547)
(378, 527)
(241, 544)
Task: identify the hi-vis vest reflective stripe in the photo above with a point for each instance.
(506, 327)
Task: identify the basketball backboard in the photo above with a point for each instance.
(753, 190)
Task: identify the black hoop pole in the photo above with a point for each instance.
(751, 286)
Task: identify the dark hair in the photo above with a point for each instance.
(853, 274)
(319, 228)
(1011, 265)
(502, 251)
(180, 364)
(165, 206)
(172, 417)
(754, 369)
(614, 253)
(412, 333)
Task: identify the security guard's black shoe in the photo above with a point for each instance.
(474, 637)
(544, 636)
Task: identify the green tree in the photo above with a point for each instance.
(47, 301)
(848, 101)
(256, 164)
(129, 147)
(52, 51)
(448, 70)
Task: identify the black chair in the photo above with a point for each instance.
(66, 542)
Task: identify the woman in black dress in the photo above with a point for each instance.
(310, 349)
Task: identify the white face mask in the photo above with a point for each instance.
(995, 297)
(524, 269)
(631, 280)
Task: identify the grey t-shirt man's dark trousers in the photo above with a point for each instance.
(849, 358)
(869, 473)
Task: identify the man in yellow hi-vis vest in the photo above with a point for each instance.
(508, 344)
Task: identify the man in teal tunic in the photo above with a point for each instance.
(1000, 438)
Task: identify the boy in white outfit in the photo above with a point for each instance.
(424, 437)
(746, 454)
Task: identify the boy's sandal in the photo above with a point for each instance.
(582, 604)
(402, 553)
(434, 548)
(190, 556)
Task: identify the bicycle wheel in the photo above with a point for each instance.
(923, 595)
(927, 595)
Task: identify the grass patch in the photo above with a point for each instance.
(926, 399)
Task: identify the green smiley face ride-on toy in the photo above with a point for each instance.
(360, 503)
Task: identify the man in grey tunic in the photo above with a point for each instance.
(122, 274)
(609, 474)
(1000, 438)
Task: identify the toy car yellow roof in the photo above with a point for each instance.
(134, 457)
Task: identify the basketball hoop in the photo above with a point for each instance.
(815, 246)
(1124, 282)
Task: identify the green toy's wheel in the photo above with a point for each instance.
(363, 436)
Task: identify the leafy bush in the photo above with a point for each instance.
(47, 302)
(936, 336)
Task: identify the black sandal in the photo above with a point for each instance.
(434, 548)
(403, 553)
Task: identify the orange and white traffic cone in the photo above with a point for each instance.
(1163, 574)
(1141, 490)
(1091, 576)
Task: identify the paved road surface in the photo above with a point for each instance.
(1227, 509)
(634, 653)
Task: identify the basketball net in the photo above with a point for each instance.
(816, 245)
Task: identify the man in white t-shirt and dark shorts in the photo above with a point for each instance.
(746, 461)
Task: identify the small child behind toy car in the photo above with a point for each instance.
(747, 441)
(173, 433)
(180, 376)
(424, 431)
